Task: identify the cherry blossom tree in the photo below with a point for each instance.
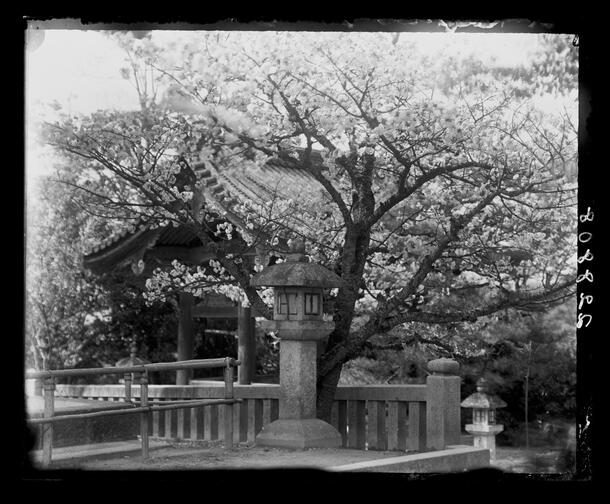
(445, 192)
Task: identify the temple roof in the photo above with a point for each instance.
(121, 248)
(225, 189)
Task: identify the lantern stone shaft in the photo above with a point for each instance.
(298, 315)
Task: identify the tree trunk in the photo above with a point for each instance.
(352, 268)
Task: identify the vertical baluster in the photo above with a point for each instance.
(334, 415)
(357, 424)
(251, 431)
(155, 424)
(180, 423)
(236, 421)
(382, 436)
(243, 420)
(266, 411)
(168, 423)
(417, 426)
(194, 413)
(207, 423)
(361, 425)
(275, 409)
(371, 427)
(401, 408)
(392, 425)
(342, 421)
(258, 416)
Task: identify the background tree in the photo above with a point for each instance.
(60, 302)
(445, 193)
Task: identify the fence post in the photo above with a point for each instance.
(47, 428)
(228, 376)
(443, 404)
(127, 380)
(144, 414)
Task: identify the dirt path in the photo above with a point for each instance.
(186, 456)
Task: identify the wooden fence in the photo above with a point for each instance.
(373, 417)
(140, 403)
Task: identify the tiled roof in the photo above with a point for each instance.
(139, 225)
(226, 188)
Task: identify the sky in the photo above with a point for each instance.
(80, 70)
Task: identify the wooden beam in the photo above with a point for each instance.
(185, 336)
(190, 255)
(246, 347)
(227, 312)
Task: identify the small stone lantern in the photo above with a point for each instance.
(132, 360)
(483, 426)
(298, 319)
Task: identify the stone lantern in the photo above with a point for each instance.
(298, 319)
(132, 360)
(483, 426)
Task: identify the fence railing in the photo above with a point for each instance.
(140, 402)
(373, 417)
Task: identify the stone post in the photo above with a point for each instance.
(246, 345)
(443, 404)
(185, 336)
(297, 425)
(33, 386)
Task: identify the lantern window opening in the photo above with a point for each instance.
(312, 303)
(492, 416)
(285, 305)
(479, 415)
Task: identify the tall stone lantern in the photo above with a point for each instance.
(298, 318)
(483, 426)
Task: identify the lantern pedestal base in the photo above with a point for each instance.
(301, 434)
(485, 436)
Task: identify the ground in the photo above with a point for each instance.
(202, 455)
(535, 460)
(212, 455)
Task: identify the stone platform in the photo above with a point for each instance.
(453, 459)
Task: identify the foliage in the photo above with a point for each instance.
(444, 193)
(74, 319)
(59, 299)
(497, 349)
(541, 347)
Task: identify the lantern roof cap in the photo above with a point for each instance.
(132, 360)
(481, 399)
(296, 272)
(478, 400)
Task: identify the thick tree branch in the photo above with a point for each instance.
(404, 191)
(350, 348)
